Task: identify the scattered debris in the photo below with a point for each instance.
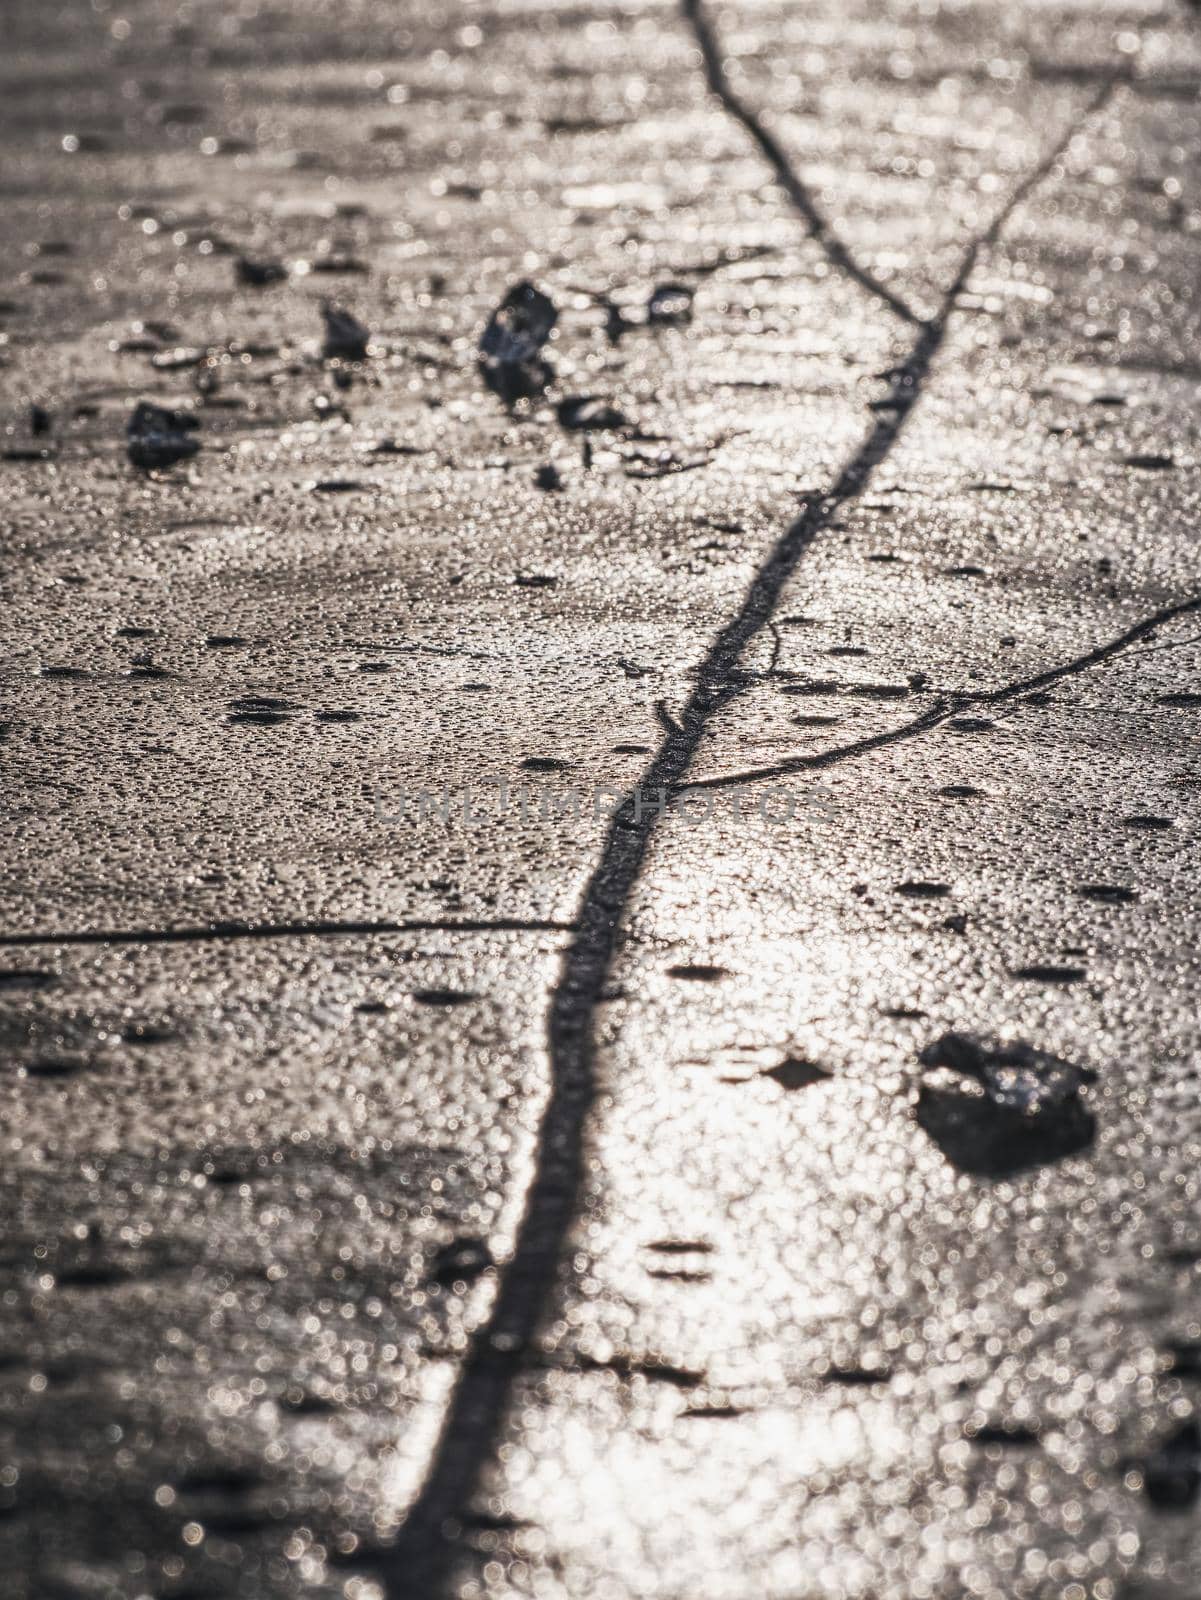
(617, 323)
(26, 978)
(144, 667)
(670, 305)
(812, 686)
(40, 421)
(510, 346)
(158, 437)
(346, 339)
(180, 358)
(327, 408)
(653, 1371)
(1009, 1435)
(334, 264)
(998, 1107)
(1172, 1476)
(587, 412)
(548, 477)
(878, 691)
(1108, 894)
(792, 1073)
(662, 464)
(857, 1377)
(259, 274)
(461, 1261)
(262, 711)
(390, 447)
(1151, 463)
(1184, 1360)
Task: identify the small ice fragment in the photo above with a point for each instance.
(793, 1073)
(346, 339)
(670, 305)
(158, 437)
(510, 345)
(259, 274)
(461, 1261)
(588, 413)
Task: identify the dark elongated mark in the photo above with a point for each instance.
(223, 932)
(790, 181)
(422, 1560)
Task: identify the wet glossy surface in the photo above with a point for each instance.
(525, 1201)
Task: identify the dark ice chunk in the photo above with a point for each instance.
(1008, 1106)
(670, 305)
(346, 339)
(587, 413)
(254, 274)
(159, 437)
(510, 347)
(1172, 1476)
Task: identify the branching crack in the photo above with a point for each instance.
(953, 705)
(793, 185)
(423, 1559)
